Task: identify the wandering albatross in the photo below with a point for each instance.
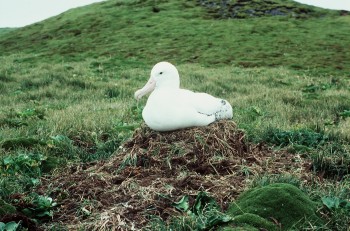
(170, 108)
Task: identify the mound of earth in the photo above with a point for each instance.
(152, 170)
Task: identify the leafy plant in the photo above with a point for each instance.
(334, 203)
(9, 226)
(337, 212)
(345, 114)
(24, 163)
(41, 207)
(205, 212)
(31, 112)
(183, 204)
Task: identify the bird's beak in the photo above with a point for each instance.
(150, 85)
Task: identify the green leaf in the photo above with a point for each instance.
(345, 204)
(11, 226)
(183, 205)
(217, 219)
(125, 127)
(60, 138)
(34, 181)
(28, 212)
(26, 113)
(203, 202)
(44, 202)
(85, 211)
(311, 88)
(257, 110)
(345, 113)
(45, 214)
(336, 203)
(8, 160)
(331, 202)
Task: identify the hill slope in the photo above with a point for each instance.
(186, 31)
(5, 30)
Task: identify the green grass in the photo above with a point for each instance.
(4, 31)
(67, 85)
(50, 112)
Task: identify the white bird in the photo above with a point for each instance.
(170, 108)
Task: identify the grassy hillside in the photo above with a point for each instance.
(5, 30)
(75, 154)
(144, 32)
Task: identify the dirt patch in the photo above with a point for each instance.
(239, 9)
(154, 169)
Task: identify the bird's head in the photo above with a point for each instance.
(163, 75)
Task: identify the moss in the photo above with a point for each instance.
(249, 221)
(6, 208)
(241, 228)
(283, 202)
(255, 221)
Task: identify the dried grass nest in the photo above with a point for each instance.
(155, 169)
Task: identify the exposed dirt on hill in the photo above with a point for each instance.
(246, 9)
(154, 169)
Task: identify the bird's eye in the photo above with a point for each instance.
(161, 72)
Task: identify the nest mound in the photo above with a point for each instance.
(205, 150)
(153, 170)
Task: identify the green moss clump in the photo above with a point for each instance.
(249, 221)
(6, 208)
(241, 228)
(255, 221)
(284, 202)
